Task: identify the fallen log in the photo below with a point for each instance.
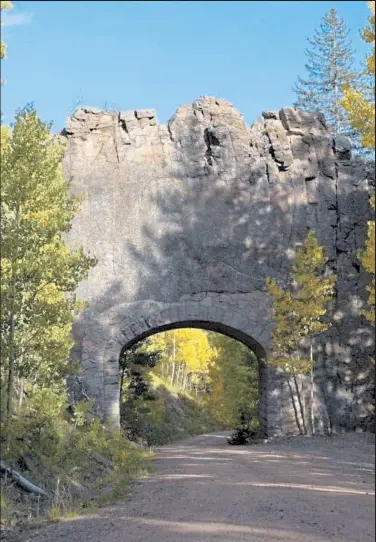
(21, 481)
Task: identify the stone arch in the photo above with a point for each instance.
(225, 319)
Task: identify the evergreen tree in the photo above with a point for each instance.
(329, 67)
(134, 365)
(298, 313)
(39, 272)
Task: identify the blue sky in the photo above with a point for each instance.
(129, 55)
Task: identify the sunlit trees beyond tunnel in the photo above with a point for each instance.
(184, 382)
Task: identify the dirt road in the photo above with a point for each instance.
(203, 490)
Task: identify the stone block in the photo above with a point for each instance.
(145, 113)
(127, 116)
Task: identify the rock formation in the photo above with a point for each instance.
(187, 219)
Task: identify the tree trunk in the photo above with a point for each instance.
(178, 375)
(336, 100)
(300, 403)
(173, 357)
(184, 383)
(173, 373)
(21, 481)
(10, 368)
(121, 384)
(302, 387)
(294, 407)
(11, 352)
(21, 392)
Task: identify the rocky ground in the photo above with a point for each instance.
(202, 490)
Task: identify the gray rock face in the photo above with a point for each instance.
(187, 220)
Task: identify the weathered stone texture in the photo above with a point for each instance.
(188, 219)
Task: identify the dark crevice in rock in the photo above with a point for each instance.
(123, 125)
(213, 140)
(208, 154)
(280, 165)
(210, 141)
(170, 132)
(336, 227)
(356, 265)
(267, 171)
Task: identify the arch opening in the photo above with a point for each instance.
(255, 361)
(217, 327)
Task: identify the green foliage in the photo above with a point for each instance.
(234, 382)
(63, 453)
(367, 258)
(166, 414)
(134, 365)
(5, 512)
(202, 380)
(298, 311)
(329, 66)
(186, 356)
(4, 5)
(39, 272)
(360, 104)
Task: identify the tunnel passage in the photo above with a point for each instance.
(254, 360)
(104, 340)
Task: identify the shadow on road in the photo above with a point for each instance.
(202, 490)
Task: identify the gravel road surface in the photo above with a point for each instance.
(203, 490)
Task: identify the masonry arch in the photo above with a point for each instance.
(229, 332)
(220, 318)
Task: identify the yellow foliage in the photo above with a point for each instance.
(361, 114)
(188, 347)
(222, 371)
(3, 48)
(298, 312)
(361, 108)
(367, 258)
(194, 349)
(39, 272)
(233, 381)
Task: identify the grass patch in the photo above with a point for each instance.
(79, 462)
(171, 415)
